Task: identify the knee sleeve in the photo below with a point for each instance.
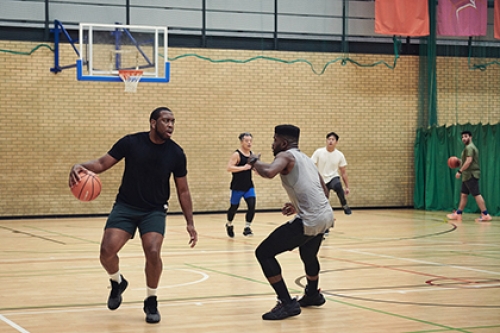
(269, 264)
(309, 255)
(312, 267)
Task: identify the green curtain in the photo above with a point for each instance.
(436, 187)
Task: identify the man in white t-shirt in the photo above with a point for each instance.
(332, 165)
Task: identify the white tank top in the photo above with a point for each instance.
(306, 193)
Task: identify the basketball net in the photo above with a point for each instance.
(131, 78)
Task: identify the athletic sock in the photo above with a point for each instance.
(116, 277)
(312, 286)
(229, 223)
(247, 224)
(282, 291)
(485, 212)
(152, 291)
(458, 211)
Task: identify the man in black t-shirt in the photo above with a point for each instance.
(142, 202)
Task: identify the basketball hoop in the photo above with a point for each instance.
(131, 78)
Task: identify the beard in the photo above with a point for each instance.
(162, 135)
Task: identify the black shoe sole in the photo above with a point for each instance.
(150, 320)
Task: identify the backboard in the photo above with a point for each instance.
(105, 49)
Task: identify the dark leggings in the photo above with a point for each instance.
(336, 185)
(250, 212)
(286, 238)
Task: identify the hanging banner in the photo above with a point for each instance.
(462, 17)
(496, 25)
(402, 17)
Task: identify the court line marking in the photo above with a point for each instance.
(449, 328)
(204, 277)
(161, 304)
(422, 261)
(418, 290)
(13, 324)
(165, 254)
(17, 231)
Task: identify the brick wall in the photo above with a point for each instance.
(49, 122)
(465, 95)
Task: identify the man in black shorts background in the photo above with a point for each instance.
(470, 173)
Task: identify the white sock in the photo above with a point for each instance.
(229, 223)
(152, 291)
(247, 224)
(116, 277)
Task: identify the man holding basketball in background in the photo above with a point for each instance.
(241, 185)
(309, 201)
(470, 174)
(142, 202)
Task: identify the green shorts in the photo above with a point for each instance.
(130, 219)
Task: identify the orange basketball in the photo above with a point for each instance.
(454, 162)
(88, 188)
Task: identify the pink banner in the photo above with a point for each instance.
(462, 17)
(496, 7)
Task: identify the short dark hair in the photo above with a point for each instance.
(288, 131)
(242, 135)
(467, 132)
(156, 112)
(334, 134)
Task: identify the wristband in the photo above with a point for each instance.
(460, 172)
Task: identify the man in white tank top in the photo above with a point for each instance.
(308, 196)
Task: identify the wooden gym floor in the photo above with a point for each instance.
(397, 270)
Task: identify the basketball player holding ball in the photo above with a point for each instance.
(470, 172)
(142, 202)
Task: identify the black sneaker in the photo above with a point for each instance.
(230, 230)
(115, 296)
(347, 210)
(311, 300)
(151, 310)
(282, 311)
(247, 232)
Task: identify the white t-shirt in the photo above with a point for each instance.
(328, 163)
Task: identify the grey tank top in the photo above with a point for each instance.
(306, 193)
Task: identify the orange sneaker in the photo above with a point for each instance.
(484, 218)
(454, 216)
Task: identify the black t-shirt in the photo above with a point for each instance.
(242, 181)
(148, 166)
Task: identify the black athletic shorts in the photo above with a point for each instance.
(471, 186)
(130, 219)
